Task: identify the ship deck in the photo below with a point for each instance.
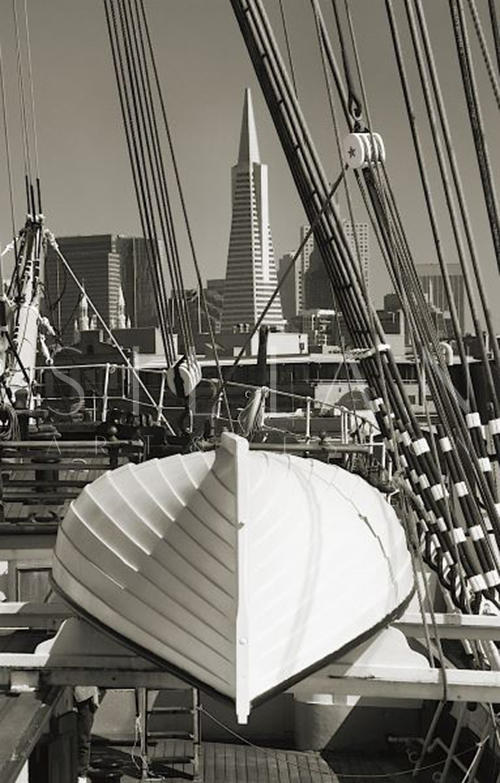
(226, 763)
(237, 763)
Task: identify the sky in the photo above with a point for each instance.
(204, 69)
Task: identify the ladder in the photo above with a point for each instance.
(170, 721)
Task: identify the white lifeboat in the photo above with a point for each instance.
(241, 570)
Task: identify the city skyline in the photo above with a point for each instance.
(86, 182)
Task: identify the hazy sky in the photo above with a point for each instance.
(204, 67)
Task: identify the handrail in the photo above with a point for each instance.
(304, 398)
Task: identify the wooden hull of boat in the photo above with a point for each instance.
(241, 569)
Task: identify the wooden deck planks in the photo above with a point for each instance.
(231, 763)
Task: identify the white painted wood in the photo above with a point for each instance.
(404, 682)
(451, 625)
(80, 653)
(190, 555)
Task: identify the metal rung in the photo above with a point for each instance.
(171, 760)
(181, 735)
(170, 711)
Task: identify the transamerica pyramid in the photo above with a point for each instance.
(251, 273)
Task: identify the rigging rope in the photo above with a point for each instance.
(288, 46)
(324, 38)
(185, 213)
(484, 50)
(159, 181)
(464, 216)
(477, 438)
(353, 103)
(150, 237)
(479, 444)
(32, 92)
(471, 96)
(392, 441)
(7, 152)
(495, 29)
(24, 120)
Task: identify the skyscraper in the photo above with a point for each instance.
(95, 261)
(434, 289)
(250, 272)
(288, 290)
(136, 280)
(316, 287)
(115, 272)
(360, 245)
(302, 267)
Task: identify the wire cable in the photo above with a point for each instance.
(7, 151)
(495, 30)
(32, 91)
(184, 208)
(484, 50)
(288, 45)
(22, 102)
(476, 121)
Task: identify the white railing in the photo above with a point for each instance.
(350, 421)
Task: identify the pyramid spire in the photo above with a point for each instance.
(249, 146)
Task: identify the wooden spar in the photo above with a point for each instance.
(35, 616)
(18, 614)
(451, 626)
(402, 682)
(80, 653)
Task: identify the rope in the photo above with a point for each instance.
(448, 403)
(471, 96)
(32, 91)
(22, 101)
(185, 215)
(139, 184)
(153, 176)
(464, 216)
(354, 104)
(322, 43)
(164, 202)
(106, 328)
(484, 50)
(426, 185)
(288, 47)
(376, 357)
(7, 151)
(9, 422)
(496, 31)
(479, 442)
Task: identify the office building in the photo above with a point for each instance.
(301, 267)
(250, 274)
(360, 246)
(434, 290)
(115, 272)
(288, 289)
